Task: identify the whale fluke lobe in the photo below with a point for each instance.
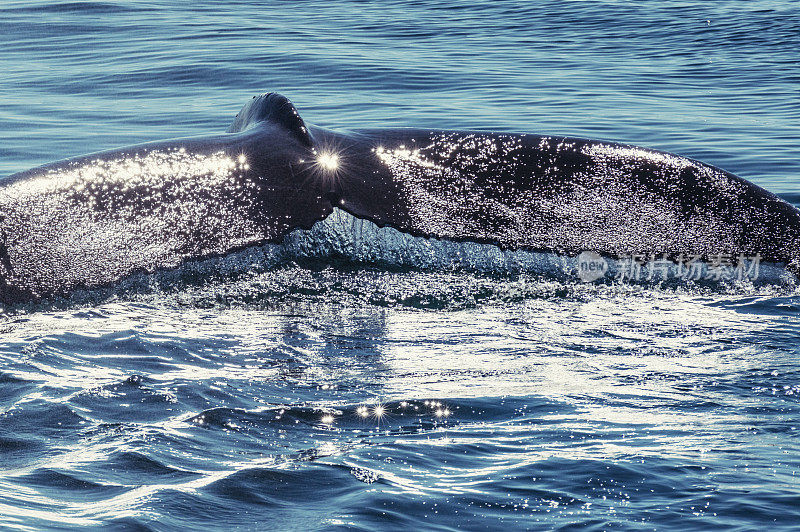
(91, 221)
(275, 108)
(571, 195)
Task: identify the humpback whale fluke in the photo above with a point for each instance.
(92, 220)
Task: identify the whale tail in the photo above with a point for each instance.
(90, 221)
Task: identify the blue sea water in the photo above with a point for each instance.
(324, 393)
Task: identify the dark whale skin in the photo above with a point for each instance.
(90, 221)
(560, 194)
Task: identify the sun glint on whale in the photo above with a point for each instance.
(92, 220)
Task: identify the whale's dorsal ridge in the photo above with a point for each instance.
(275, 108)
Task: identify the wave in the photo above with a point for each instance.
(347, 241)
(347, 259)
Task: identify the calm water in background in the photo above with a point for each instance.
(327, 394)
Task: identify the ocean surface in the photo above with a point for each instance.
(323, 391)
